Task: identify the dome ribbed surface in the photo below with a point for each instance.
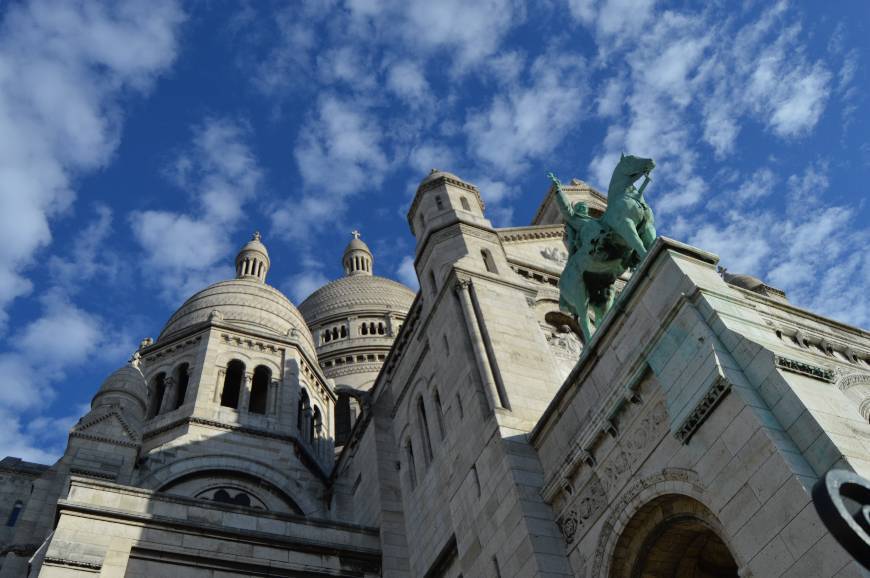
(246, 303)
(357, 292)
(127, 379)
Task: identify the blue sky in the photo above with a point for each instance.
(142, 142)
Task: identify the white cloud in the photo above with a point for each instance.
(469, 32)
(302, 285)
(339, 154)
(184, 252)
(809, 251)
(61, 339)
(407, 274)
(91, 255)
(64, 69)
(406, 80)
(691, 65)
(529, 121)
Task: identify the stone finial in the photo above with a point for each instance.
(145, 343)
(135, 359)
(255, 236)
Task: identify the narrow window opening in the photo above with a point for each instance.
(303, 413)
(424, 430)
(260, 389)
(158, 389)
(446, 345)
(343, 331)
(380, 328)
(459, 405)
(412, 467)
(364, 329)
(335, 333)
(464, 202)
(495, 567)
(233, 384)
(13, 515)
(372, 329)
(182, 378)
(433, 282)
(439, 414)
(439, 203)
(488, 261)
(343, 422)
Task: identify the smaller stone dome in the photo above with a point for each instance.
(744, 281)
(357, 258)
(253, 261)
(126, 382)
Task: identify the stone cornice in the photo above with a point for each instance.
(308, 458)
(67, 563)
(77, 481)
(531, 233)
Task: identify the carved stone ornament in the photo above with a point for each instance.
(697, 416)
(568, 526)
(807, 369)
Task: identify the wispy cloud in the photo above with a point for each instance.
(66, 68)
(186, 251)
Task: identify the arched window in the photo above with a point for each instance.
(488, 261)
(324, 337)
(424, 430)
(335, 332)
(233, 384)
(260, 389)
(158, 389)
(381, 328)
(303, 413)
(372, 328)
(412, 467)
(439, 203)
(439, 413)
(13, 515)
(182, 378)
(343, 331)
(364, 329)
(464, 202)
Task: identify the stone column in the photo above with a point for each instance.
(245, 394)
(477, 345)
(219, 386)
(167, 403)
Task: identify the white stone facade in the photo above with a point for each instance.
(682, 440)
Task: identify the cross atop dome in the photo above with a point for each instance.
(357, 258)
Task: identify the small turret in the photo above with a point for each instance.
(357, 258)
(252, 262)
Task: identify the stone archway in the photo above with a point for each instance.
(673, 536)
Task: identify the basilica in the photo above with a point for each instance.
(460, 430)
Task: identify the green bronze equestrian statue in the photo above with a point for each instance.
(600, 250)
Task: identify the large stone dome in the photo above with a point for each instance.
(247, 303)
(356, 293)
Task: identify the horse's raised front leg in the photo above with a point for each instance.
(625, 228)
